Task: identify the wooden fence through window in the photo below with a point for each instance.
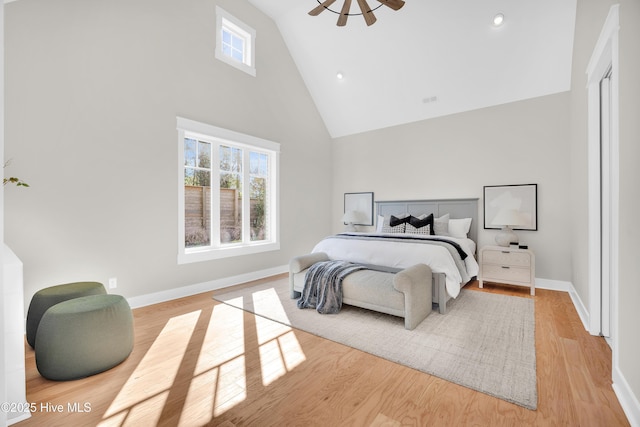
(198, 214)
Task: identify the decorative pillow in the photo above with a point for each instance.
(441, 225)
(459, 227)
(395, 220)
(422, 224)
(410, 229)
(379, 224)
(395, 223)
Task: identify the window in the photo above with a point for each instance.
(235, 42)
(228, 193)
(233, 45)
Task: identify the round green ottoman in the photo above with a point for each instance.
(47, 297)
(84, 336)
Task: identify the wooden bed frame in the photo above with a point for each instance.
(456, 208)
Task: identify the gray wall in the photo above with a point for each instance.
(3, 354)
(629, 315)
(591, 16)
(93, 91)
(525, 142)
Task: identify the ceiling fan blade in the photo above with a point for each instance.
(393, 4)
(368, 15)
(344, 13)
(323, 6)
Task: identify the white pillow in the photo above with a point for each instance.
(441, 225)
(459, 227)
(379, 224)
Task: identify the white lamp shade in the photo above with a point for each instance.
(507, 218)
(511, 217)
(352, 217)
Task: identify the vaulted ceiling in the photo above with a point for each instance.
(428, 59)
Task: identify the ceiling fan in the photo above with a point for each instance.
(367, 12)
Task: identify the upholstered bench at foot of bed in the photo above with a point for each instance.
(406, 294)
(84, 336)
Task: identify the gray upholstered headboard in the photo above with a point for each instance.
(456, 208)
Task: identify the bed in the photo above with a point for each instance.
(451, 258)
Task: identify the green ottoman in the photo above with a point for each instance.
(84, 336)
(47, 297)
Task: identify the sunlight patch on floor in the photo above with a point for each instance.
(156, 372)
(223, 340)
(280, 350)
(291, 350)
(219, 381)
(268, 304)
(147, 412)
(279, 356)
(200, 401)
(232, 385)
(271, 362)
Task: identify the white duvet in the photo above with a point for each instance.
(396, 254)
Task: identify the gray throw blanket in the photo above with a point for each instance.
(323, 285)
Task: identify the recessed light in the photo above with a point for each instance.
(340, 76)
(498, 19)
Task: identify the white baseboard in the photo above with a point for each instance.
(560, 285)
(626, 397)
(628, 401)
(18, 418)
(185, 291)
(581, 309)
(554, 285)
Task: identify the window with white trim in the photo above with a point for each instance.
(235, 42)
(228, 193)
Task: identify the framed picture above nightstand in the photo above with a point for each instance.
(507, 265)
(358, 207)
(522, 198)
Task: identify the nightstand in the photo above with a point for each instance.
(501, 264)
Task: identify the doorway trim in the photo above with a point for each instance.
(603, 58)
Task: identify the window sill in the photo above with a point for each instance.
(234, 63)
(198, 255)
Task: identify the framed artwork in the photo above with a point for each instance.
(362, 204)
(521, 198)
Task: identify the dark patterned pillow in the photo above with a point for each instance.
(422, 224)
(395, 223)
(410, 229)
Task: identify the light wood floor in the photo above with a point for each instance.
(197, 362)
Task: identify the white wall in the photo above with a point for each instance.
(93, 91)
(524, 142)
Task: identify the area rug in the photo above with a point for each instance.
(485, 342)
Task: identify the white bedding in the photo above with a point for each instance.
(398, 254)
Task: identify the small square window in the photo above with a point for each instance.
(235, 42)
(233, 45)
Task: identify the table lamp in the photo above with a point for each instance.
(508, 218)
(351, 218)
